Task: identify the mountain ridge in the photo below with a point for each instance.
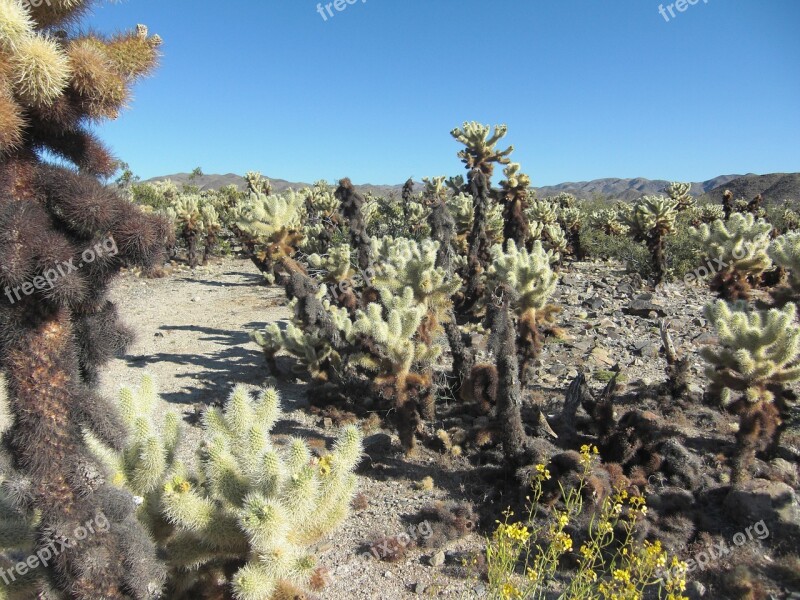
(774, 187)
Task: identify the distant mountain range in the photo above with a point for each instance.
(774, 187)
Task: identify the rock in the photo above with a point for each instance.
(602, 357)
(642, 308)
(583, 346)
(595, 303)
(774, 502)
(681, 466)
(437, 560)
(695, 590)
(417, 588)
(650, 350)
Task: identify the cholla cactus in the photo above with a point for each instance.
(481, 152)
(149, 455)
(679, 193)
(188, 219)
(555, 242)
(530, 276)
(315, 354)
(401, 360)
(335, 265)
(515, 202)
(435, 188)
(705, 213)
(271, 229)
(608, 221)
(479, 157)
(257, 183)
(571, 221)
(322, 222)
(650, 221)
(57, 80)
(758, 355)
(785, 252)
(247, 520)
(402, 263)
(544, 212)
(211, 228)
(738, 248)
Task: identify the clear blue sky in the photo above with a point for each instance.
(588, 88)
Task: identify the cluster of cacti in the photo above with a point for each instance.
(608, 221)
(758, 356)
(650, 221)
(322, 221)
(705, 213)
(738, 252)
(56, 79)
(243, 524)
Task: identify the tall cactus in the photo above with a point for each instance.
(63, 238)
(738, 251)
(515, 202)
(529, 275)
(479, 155)
(759, 355)
(651, 221)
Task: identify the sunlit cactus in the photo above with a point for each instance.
(651, 220)
(436, 188)
(514, 198)
(481, 151)
(608, 221)
(322, 221)
(188, 218)
(757, 357)
(530, 276)
(404, 361)
(544, 212)
(58, 80)
(738, 250)
(271, 229)
(680, 194)
(247, 519)
(211, 228)
(257, 183)
(402, 263)
(571, 220)
(148, 456)
(705, 213)
(785, 252)
(479, 155)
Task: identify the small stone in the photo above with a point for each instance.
(437, 560)
(695, 589)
